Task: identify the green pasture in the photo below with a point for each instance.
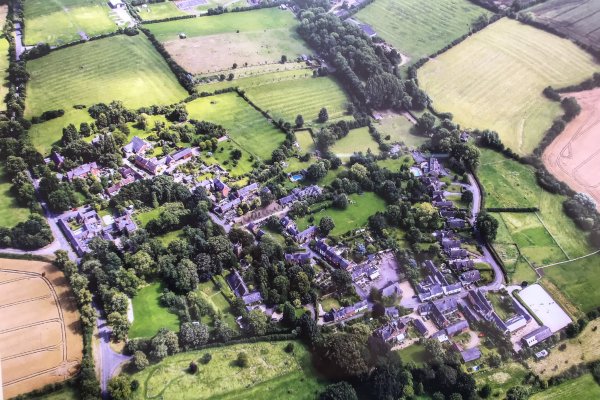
(271, 373)
(305, 141)
(286, 99)
(59, 21)
(360, 208)
(148, 315)
(11, 213)
(494, 80)
(400, 130)
(255, 78)
(501, 379)
(419, 28)
(246, 126)
(394, 164)
(582, 388)
(252, 21)
(43, 136)
(357, 140)
(155, 11)
(230, 4)
(125, 68)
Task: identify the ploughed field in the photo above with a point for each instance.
(495, 78)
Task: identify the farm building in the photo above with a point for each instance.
(539, 335)
(116, 4)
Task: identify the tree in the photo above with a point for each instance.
(487, 226)
(242, 360)
(343, 355)
(323, 115)
(182, 278)
(192, 336)
(299, 121)
(339, 391)
(467, 196)
(425, 123)
(326, 225)
(517, 393)
(316, 172)
(571, 107)
(283, 59)
(340, 201)
(485, 391)
(119, 324)
(119, 388)
(140, 361)
(256, 323)
(289, 314)
(342, 280)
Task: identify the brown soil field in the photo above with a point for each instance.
(574, 156)
(40, 331)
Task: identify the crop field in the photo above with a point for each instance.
(10, 211)
(399, 129)
(246, 126)
(125, 68)
(62, 21)
(494, 80)
(150, 12)
(577, 19)
(255, 37)
(582, 388)
(287, 99)
(271, 373)
(360, 208)
(574, 156)
(148, 315)
(419, 28)
(43, 136)
(40, 334)
(357, 140)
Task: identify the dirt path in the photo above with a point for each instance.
(574, 156)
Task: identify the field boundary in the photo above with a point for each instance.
(568, 261)
(552, 236)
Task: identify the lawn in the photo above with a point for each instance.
(400, 130)
(43, 136)
(394, 164)
(415, 353)
(11, 213)
(501, 379)
(149, 315)
(305, 141)
(155, 11)
(360, 208)
(330, 303)
(582, 388)
(249, 38)
(286, 99)
(246, 126)
(125, 68)
(357, 140)
(211, 293)
(271, 373)
(419, 28)
(223, 157)
(60, 21)
(494, 80)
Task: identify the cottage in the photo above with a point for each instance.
(420, 327)
(537, 336)
(221, 187)
(307, 234)
(452, 289)
(443, 204)
(184, 154)
(57, 159)
(151, 165)
(247, 190)
(239, 288)
(393, 332)
(299, 258)
(137, 146)
(457, 328)
(471, 354)
(83, 171)
(456, 223)
(461, 264)
(331, 256)
(116, 4)
(470, 277)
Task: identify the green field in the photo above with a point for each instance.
(272, 373)
(357, 140)
(419, 28)
(43, 136)
(66, 393)
(10, 212)
(149, 315)
(305, 141)
(501, 379)
(415, 353)
(287, 99)
(360, 208)
(494, 80)
(577, 280)
(125, 68)
(4, 61)
(60, 21)
(582, 388)
(254, 76)
(400, 130)
(216, 299)
(245, 125)
(155, 11)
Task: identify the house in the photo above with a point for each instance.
(331, 256)
(391, 290)
(307, 234)
(221, 187)
(346, 312)
(368, 30)
(470, 277)
(239, 288)
(299, 258)
(449, 244)
(393, 332)
(456, 223)
(57, 159)
(128, 176)
(457, 328)
(439, 311)
(83, 171)
(457, 253)
(443, 204)
(420, 327)
(452, 289)
(116, 4)
(184, 154)
(515, 323)
(247, 190)
(537, 336)
(137, 146)
(285, 221)
(461, 264)
(227, 205)
(471, 354)
(300, 194)
(151, 165)
(481, 305)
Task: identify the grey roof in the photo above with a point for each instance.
(542, 333)
(420, 326)
(471, 354)
(237, 284)
(458, 327)
(82, 170)
(247, 189)
(470, 276)
(252, 298)
(136, 145)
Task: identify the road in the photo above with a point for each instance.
(108, 359)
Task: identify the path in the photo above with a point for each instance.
(568, 261)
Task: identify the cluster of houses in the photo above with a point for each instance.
(80, 226)
(300, 194)
(251, 299)
(290, 229)
(232, 199)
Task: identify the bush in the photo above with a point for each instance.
(242, 360)
(206, 358)
(289, 348)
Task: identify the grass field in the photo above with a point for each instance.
(419, 28)
(577, 19)
(254, 37)
(287, 99)
(66, 393)
(60, 21)
(305, 141)
(125, 68)
(582, 388)
(501, 379)
(495, 79)
(245, 125)
(43, 136)
(253, 76)
(415, 353)
(272, 373)
(10, 211)
(361, 207)
(149, 315)
(211, 293)
(156, 11)
(357, 140)
(399, 129)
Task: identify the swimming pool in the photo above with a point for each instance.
(296, 177)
